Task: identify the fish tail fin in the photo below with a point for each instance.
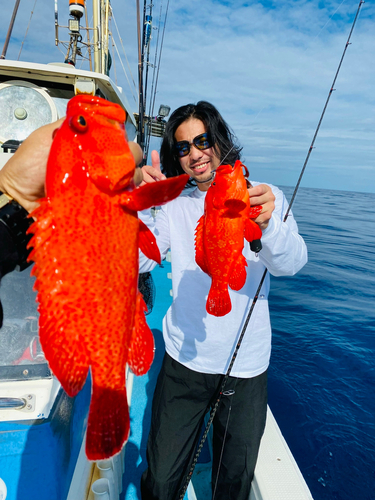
(218, 301)
(108, 424)
(238, 273)
(141, 349)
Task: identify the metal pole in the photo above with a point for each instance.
(11, 24)
(88, 36)
(102, 36)
(106, 40)
(139, 47)
(141, 134)
(95, 14)
(56, 24)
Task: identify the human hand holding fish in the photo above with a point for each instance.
(85, 248)
(23, 176)
(262, 195)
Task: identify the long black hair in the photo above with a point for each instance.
(219, 134)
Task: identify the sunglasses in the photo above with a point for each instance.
(201, 142)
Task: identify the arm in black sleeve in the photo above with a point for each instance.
(9, 257)
(13, 240)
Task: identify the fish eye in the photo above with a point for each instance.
(78, 123)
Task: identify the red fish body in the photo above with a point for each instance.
(220, 234)
(85, 248)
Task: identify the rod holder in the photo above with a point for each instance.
(100, 489)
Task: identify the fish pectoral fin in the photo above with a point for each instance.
(218, 301)
(200, 258)
(252, 231)
(234, 206)
(238, 273)
(255, 211)
(154, 193)
(147, 243)
(108, 424)
(141, 349)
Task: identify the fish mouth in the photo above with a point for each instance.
(225, 169)
(97, 105)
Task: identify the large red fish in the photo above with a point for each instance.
(85, 248)
(220, 234)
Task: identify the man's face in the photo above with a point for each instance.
(199, 164)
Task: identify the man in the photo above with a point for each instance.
(199, 346)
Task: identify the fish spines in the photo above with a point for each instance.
(199, 246)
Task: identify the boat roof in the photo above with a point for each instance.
(65, 74)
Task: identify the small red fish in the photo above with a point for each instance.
(85, 248)
(220, 233)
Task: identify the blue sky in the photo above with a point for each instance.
(268, 67)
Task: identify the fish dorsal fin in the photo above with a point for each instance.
(199, 252)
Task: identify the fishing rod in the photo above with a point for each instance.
(153, 95)
(140, 80)
(255, 299)
(147, 29)
(157, 67)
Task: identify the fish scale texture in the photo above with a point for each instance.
(220, 233)
(85, 247)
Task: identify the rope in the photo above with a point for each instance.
(126, 76)
(27, 29)
(122, 45)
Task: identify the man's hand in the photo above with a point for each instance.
(137, 154)
(152, 173)
(23, 176)
(262, 195)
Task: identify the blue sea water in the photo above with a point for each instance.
(322, 373)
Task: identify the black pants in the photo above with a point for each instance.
(182, 398)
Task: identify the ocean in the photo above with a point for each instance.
(322, 373)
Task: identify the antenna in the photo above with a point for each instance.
(73, 46)
(76, 11)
